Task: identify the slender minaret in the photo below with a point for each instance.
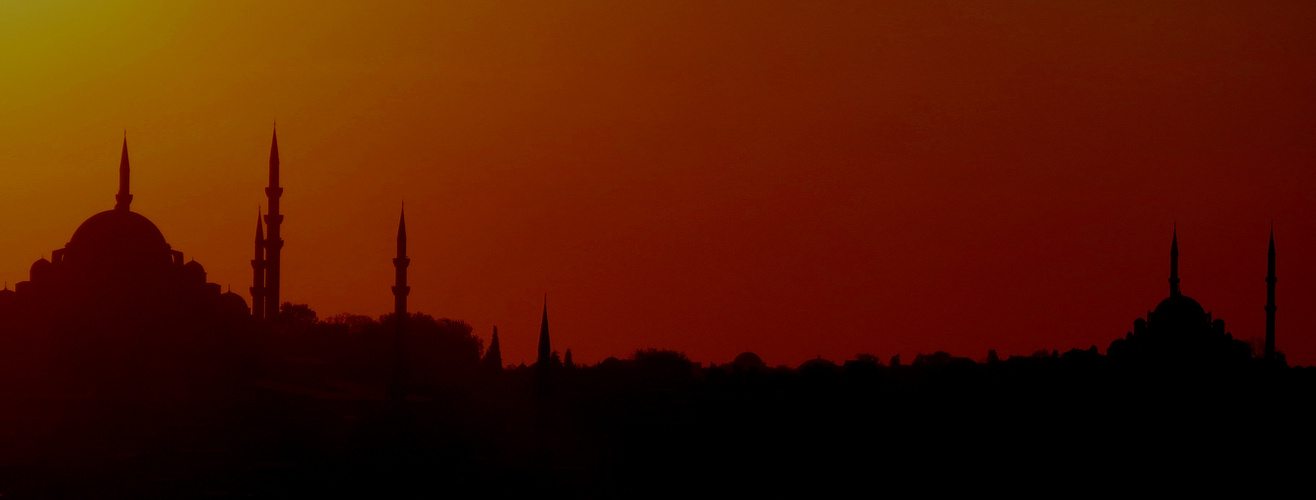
(273, 243)
(545, 351)
(258, 272)
(397, 384)
(1270, 298)
(123, 199)
(1174, 264)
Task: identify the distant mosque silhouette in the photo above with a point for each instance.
(1180, 330)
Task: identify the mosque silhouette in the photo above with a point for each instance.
(151, 371)
(118, 307)
(1181, 331)
(118, 260)
(118, 300)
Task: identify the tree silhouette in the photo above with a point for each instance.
(300, 314)
(493, 359)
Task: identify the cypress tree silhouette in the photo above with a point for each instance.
(545, 349)
(493, 358)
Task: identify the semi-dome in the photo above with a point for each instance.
(118, 233)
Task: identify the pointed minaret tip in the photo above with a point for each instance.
(402, 223)
(274, 159)
(124, 198)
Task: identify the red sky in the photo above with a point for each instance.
(787, 178)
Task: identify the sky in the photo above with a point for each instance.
(796, 179)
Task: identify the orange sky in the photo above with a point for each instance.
(788, 178)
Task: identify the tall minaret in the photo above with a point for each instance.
(1174, 264)
(273, 243)
(258, 273)
(123, 199)
(545, 350)
(397, 383)
(1270, 298)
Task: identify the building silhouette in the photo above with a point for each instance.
(258, 272)
(118, 298)
(1180, 330)
(397, 389)
(267, 264)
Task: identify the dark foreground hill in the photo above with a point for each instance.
(657, 426)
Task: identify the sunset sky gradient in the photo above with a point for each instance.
(790, 178)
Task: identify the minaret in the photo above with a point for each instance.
(397, 384)
(544, 348)
(123, 199)
(1270, 298)
(1174, 264)
(258, 273)
(273, 243)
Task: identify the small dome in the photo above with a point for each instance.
(817, 363)
(39, 270)
(233, 303)
(748, 360)
(194, 271)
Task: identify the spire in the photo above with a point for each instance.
(258, 272)
(544, 346)
(400, 263)
(273, 244)
(1174, 263)
(397, 385)
(274, 159)
(402, 232)
(1270, 265)
(123, 199)
(260, 229)
(1270, 296)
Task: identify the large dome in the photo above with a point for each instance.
(119, 233)
(1179, 310)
